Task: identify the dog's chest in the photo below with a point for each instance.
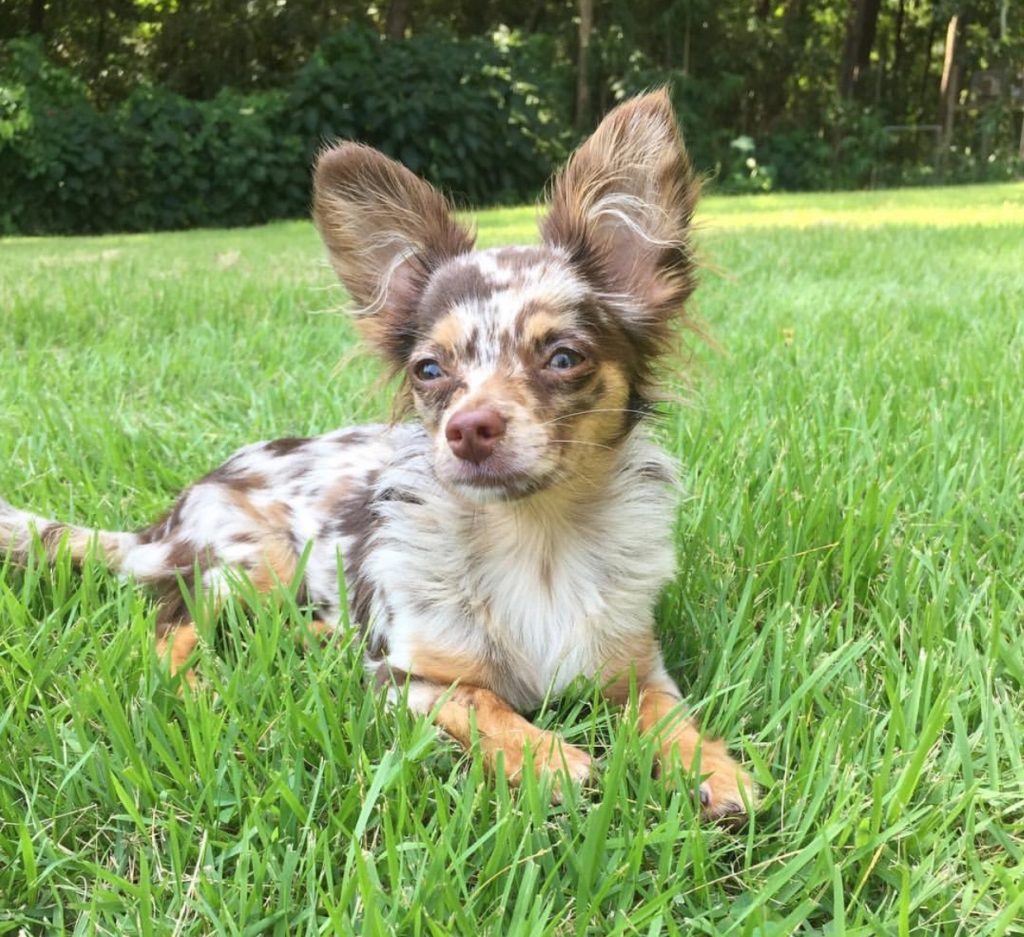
(537, 598)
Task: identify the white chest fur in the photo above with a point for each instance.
(542, 592)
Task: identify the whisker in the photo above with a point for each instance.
(583, 442)
(567, 416)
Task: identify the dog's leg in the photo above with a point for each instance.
(507, 741)
(175, 642)
(725, 789)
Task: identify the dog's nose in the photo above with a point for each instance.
(473, 434)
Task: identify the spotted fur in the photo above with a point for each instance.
(509, 573)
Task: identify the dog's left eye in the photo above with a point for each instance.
(428, 370)
(564, 359)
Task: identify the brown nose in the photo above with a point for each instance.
(473, 434)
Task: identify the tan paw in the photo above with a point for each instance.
(563, 761)
(726, 789)
(558, 757)
(551, 756)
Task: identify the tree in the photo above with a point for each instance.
(861, 27)
(582, 116)
(949, 83)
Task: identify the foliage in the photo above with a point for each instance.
(848, 610)
(458, 112)
(455, 111)
(155, 161)
(481, 98)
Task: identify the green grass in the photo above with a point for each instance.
(848, 611)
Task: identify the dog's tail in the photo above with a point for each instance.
(19, 529)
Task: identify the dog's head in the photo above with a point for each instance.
(528, 365)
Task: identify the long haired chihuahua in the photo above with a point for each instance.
(515, 536)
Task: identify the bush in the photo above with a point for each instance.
(155, 161)
(459, 112)
(454, 111)
(484, 118)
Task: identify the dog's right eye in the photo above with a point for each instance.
(428, 370)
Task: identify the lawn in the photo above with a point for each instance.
(849, 609)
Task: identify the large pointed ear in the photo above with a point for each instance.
(621, 209)
(386, 231)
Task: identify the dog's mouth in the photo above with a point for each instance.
(497, 481)
(504, 476)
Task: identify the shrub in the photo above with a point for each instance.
(155, 161)
(454, 111)
(459, 112)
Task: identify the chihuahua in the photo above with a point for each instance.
(515, 535)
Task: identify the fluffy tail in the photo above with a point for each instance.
(18, 530)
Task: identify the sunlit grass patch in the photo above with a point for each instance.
(964, 206)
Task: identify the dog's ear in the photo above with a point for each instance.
(621, 209)
(386, 231)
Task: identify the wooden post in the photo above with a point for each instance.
(949, 86)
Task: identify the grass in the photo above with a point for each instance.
(848, 611)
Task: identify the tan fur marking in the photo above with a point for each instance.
(320, 630)
(539, 323)
(605, 423)
(277, 567)
(175, 647)
(335, 496)
(591, 450)
(680, 744)
(505, 736)
(448, 332)
(275, 516)
(499, 389)
(449, 667)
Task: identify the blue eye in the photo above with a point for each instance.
(564, 359)
(428, 370)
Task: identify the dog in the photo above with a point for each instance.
(516, 535)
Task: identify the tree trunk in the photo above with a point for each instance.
(397, 20)
(923, 94)
(101, 39)
(36, 17)
(533, 20)
(582, 65)
(861, 26)
(869, 29)
(949, 84)
(894, 84)
(686, 44)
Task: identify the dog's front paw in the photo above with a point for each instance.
(547, 752)
(726, 791)
(564, 763)
(558, 757)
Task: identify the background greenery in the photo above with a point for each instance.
(848, 610)
(141, 115)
